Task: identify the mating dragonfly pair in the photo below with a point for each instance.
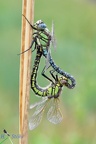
(42, 40)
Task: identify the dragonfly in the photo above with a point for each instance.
(42, 36)
(49, 94)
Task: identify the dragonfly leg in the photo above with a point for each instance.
(55, 78)
(36, 44)
(51, 72)
(43, 74)
(34, 40)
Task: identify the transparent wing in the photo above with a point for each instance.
(47, 59)
(44, 99)
(52, 43)
(53, 40)
(36, 118)
(54, 114)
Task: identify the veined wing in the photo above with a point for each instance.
(52, 43)
(53, 39)
(54, 114)
(37, 115)
(48, 58)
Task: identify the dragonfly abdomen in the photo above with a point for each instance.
(60, 71)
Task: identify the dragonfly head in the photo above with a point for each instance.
(40, 25)
(62, 80)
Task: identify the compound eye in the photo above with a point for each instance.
(42, 26)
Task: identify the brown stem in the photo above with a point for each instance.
(25, 65)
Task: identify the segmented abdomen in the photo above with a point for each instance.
(51, 90)
(57, 69)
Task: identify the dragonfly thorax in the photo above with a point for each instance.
(62, 80)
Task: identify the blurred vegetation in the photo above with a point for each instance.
(75, 30)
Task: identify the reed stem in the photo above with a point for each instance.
(25, 65)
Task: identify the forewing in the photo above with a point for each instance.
(36, 118)
(54, 114)
(52, 43)
(40, 103)
(48, 59)
(53, 40)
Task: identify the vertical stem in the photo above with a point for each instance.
(25, 64)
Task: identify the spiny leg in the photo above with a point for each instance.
(56, 77)
(37, 46)
(53, 75)
(29, 47)
(43, 74)
(51, 72)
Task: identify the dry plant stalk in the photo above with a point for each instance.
(25, 65)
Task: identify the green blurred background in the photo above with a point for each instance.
(75, 31)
